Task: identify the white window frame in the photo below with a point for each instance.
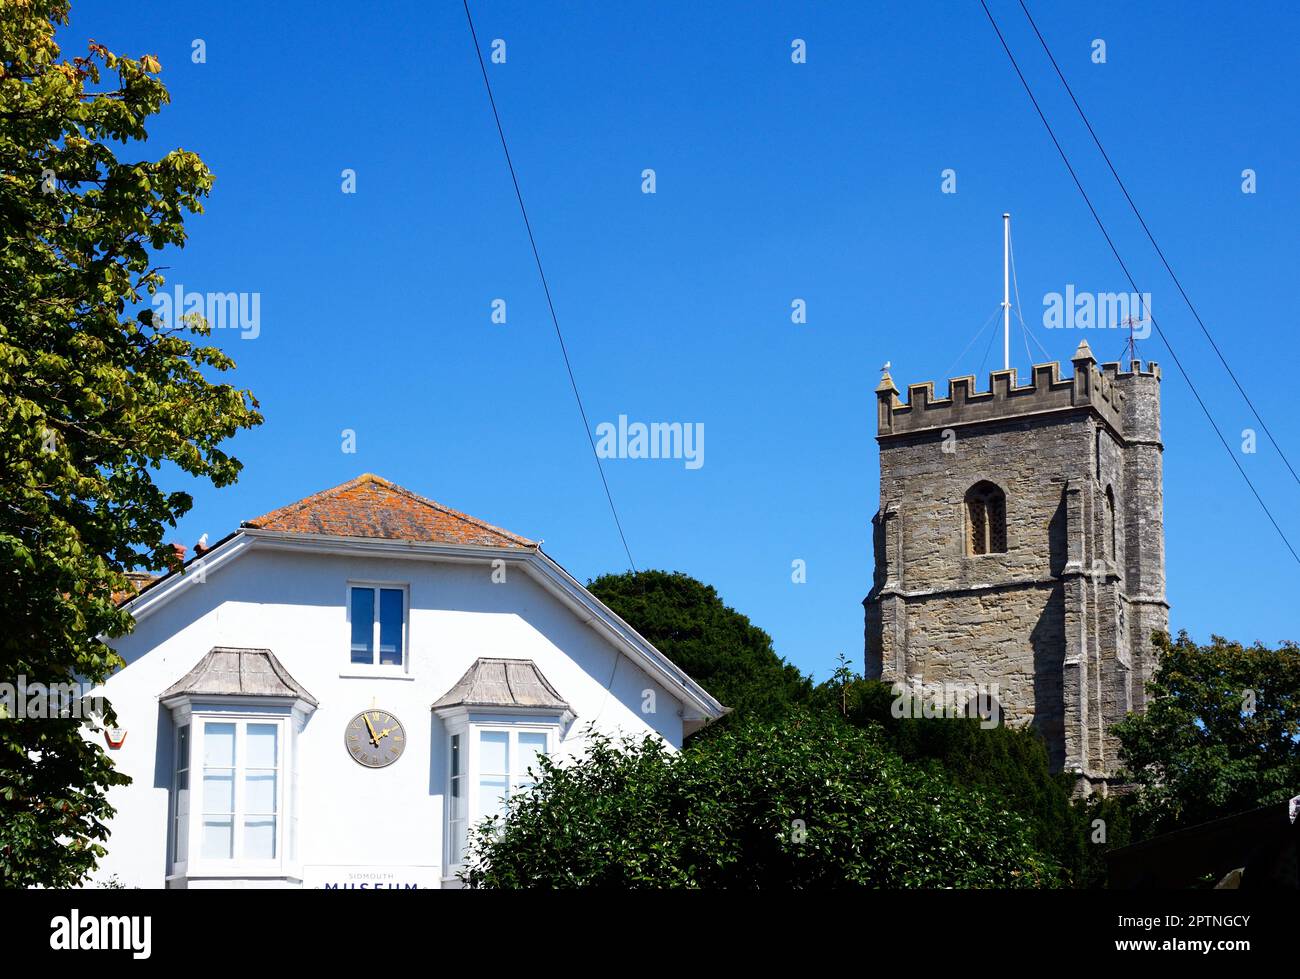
(283, 864)
(180, 825)
(374, 669)
(456, 822)
(469, 729)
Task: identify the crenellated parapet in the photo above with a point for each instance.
(1115, 370)
(1019, 545)
(1103, 389)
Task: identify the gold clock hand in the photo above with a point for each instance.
(374, 738)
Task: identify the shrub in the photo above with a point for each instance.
(808, 801)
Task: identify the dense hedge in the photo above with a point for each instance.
(807, 801)
(1006, 764)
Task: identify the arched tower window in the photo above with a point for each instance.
(1110, 542)
(986, 519)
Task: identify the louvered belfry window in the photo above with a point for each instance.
(986, 519)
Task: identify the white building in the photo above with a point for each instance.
(334, 692)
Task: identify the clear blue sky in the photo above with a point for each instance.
(775, 181)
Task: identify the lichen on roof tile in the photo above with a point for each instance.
(370, 506)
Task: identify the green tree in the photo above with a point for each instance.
(93, 399)
(1219, 734)
(1004, 763)
(717, 646)
(806, 802)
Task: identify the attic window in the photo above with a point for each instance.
(986, 519)
(377, 622)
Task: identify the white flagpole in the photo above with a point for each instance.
(1006, 292)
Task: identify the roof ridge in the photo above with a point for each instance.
(505, 676)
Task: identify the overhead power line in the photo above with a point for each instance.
(573, 381)
(1115, 251)
(1142, 221)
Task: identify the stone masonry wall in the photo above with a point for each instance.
(989, 618)
(1061, 620)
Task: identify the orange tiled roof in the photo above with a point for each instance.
(136, 581)
(370, 506)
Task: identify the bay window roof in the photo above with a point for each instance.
(233, 672)
(502, 683)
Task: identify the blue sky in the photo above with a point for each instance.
(775, 181)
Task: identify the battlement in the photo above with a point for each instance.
(1114, 369)
(1101, 389)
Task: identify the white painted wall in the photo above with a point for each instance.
(293, 603)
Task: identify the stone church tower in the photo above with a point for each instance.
(1020, 541)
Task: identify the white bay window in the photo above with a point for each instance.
(500, 718)
(237, 718)
(490, 760)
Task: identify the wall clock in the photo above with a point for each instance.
(375, 738)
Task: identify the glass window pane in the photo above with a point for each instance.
(531, 744)
(181, 822)
(182, 758)
(218, 792)
(491, 795)
(218, 839)
(259, 838)
(390, 626)
(261, 746)
(493, 752)
(363, 625)
(219, 745)
(259, 793)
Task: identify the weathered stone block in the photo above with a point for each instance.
(1059, 607)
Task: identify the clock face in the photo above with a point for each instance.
(375, 738)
